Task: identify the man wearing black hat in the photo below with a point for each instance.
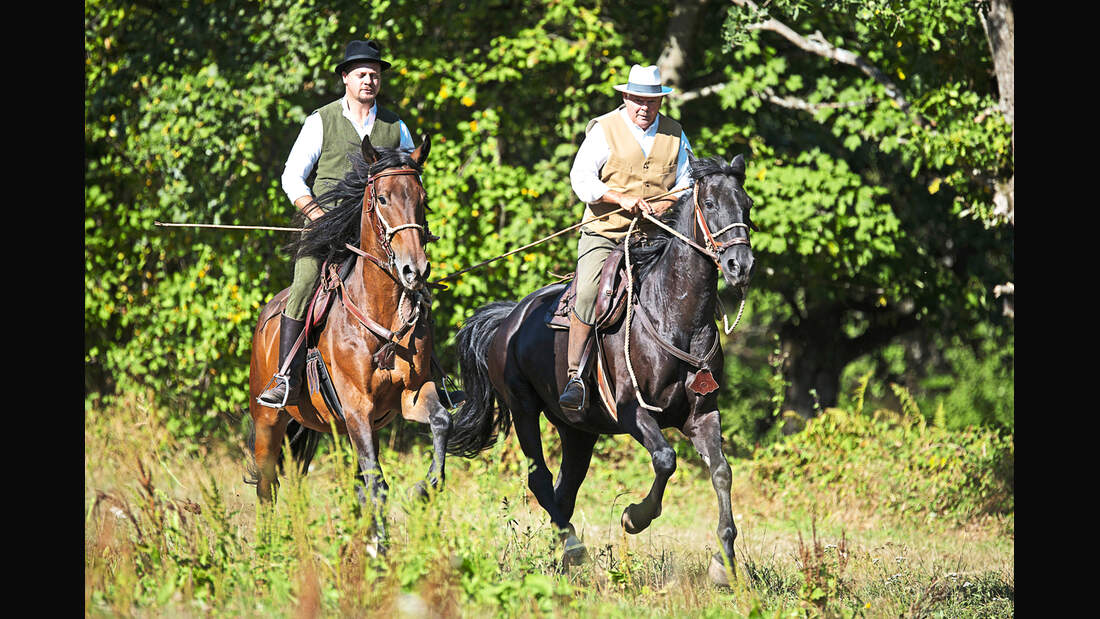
(329, 134)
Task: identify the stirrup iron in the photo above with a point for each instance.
(274, 382)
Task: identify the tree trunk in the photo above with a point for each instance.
(818, 350)
(999, 23)
(678, 42)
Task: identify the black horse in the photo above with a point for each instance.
(514, 365)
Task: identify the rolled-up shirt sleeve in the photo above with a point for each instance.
(406, 137)
(683, 164)
(303, 156)
(584, 176)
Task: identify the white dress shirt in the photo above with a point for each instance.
(594, 152)
(307, 149)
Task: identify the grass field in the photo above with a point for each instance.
(172, 530)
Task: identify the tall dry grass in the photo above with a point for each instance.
(173, 530)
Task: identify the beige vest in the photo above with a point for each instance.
(629, 171)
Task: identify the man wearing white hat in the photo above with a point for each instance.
(628, 155)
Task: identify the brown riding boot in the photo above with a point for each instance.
(572, 397)
(287, 386)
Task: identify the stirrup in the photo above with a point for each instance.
(278, 378)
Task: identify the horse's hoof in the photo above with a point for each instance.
(575, 552)
(717, 571)
(420, 491)
(628, 521)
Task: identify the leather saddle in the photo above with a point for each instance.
(320, 302)
(610, 298)
(320, 389)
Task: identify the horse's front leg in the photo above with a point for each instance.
(425, 406)
(372, 488)
(637, 516)
(268, 428)
(706, 434)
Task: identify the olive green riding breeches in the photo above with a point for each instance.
(307, 272)
(592, 251)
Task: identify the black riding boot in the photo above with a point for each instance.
(287, 386)
(572, 397)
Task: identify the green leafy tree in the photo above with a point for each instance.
(880, 151)
(882, 202)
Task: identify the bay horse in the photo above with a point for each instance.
(514, 366)
(378, 212)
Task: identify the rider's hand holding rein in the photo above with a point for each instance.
(309, 207)
(632, 204)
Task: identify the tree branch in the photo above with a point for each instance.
(816, 44)
(769, 95)
(705, 91)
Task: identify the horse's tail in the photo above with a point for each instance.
(303, 446)
(482, 416)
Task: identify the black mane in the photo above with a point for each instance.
(324, 238)
(645, 253)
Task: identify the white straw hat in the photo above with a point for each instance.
(644, 82)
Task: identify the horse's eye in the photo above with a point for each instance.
(709, 203)
(382, 200)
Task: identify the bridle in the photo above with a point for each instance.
(714, 247)
(382, 228)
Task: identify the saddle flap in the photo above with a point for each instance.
(322, 393)
(558, 316)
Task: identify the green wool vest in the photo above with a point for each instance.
(340, 138)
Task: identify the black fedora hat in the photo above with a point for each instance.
(361, 51)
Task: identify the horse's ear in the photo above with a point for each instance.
(369, 154)
(420, 155)
(738, 165)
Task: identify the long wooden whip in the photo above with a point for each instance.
(456, 273)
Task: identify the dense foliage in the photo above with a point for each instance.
(880, 244)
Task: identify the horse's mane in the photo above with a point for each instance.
(646, 253)
(324, 238)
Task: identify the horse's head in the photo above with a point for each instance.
(722, 210)
(394, 206)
